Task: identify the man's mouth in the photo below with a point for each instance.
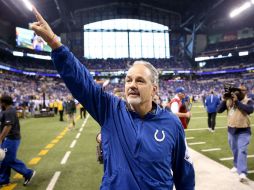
(133, 93)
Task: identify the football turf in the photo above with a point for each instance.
(45, 141)
(218, 139)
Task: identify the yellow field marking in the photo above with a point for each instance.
(34, 161)
(49, 146)
(17, 176)
(9, 187)
(63, 133)
(43, 152)
(54, 141)
(59, 137)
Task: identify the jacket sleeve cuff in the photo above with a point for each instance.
(58, 50)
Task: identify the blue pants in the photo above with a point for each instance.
(11, 162)
(239, 147)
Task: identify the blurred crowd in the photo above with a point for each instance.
(31, 92)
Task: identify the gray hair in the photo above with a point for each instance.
(152, 69)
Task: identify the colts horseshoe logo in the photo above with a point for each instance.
(156, 138)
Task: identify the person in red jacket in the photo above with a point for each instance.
(178, 108)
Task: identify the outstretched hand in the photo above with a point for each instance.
(42, 28)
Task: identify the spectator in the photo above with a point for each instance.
(176, 106)
(82, 111)
(211, 104)
(70, 111)
(60, 108)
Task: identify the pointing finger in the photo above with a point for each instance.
(38, 15)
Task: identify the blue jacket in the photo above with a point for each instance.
(211, 103)
(139, 154)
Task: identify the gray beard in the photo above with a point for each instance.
(134, 101)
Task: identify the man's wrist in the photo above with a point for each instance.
(54, 42)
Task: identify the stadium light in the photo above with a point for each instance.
(243, 53)
(252, 1)
(239, 10)
(201, 58)
(18, 53)
(46, 57)
(28, 4)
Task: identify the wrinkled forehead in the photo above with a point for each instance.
(139, 70)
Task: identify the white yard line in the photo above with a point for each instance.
(78, 135)
(228, 158)
(65, 158)
(196, 143)
(189, 138)
(53, 181)
(205, 128)
(231, 158)
(73, 143)
(84, 123)
(211, 149)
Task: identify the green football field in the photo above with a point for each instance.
(70, 156)
(197, 132)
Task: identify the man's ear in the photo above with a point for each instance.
(155, 88)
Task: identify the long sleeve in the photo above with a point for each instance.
(183, 171)
(248, 108)
(81, 84)
(221, 107)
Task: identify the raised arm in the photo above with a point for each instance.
(75, 75)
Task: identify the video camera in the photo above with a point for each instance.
(230, 88)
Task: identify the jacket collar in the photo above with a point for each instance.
(154, 111)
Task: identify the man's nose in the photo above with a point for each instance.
(133, 84)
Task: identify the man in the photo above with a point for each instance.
(60, 108)
(51, 105)
(238, 107)
(82, 111)
(9, 141)
(70, 111)
(55, 105)
(178, 107)
(211, 103)
(143, 145)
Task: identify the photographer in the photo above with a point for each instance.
(238, 108)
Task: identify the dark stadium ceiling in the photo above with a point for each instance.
(61, 13)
